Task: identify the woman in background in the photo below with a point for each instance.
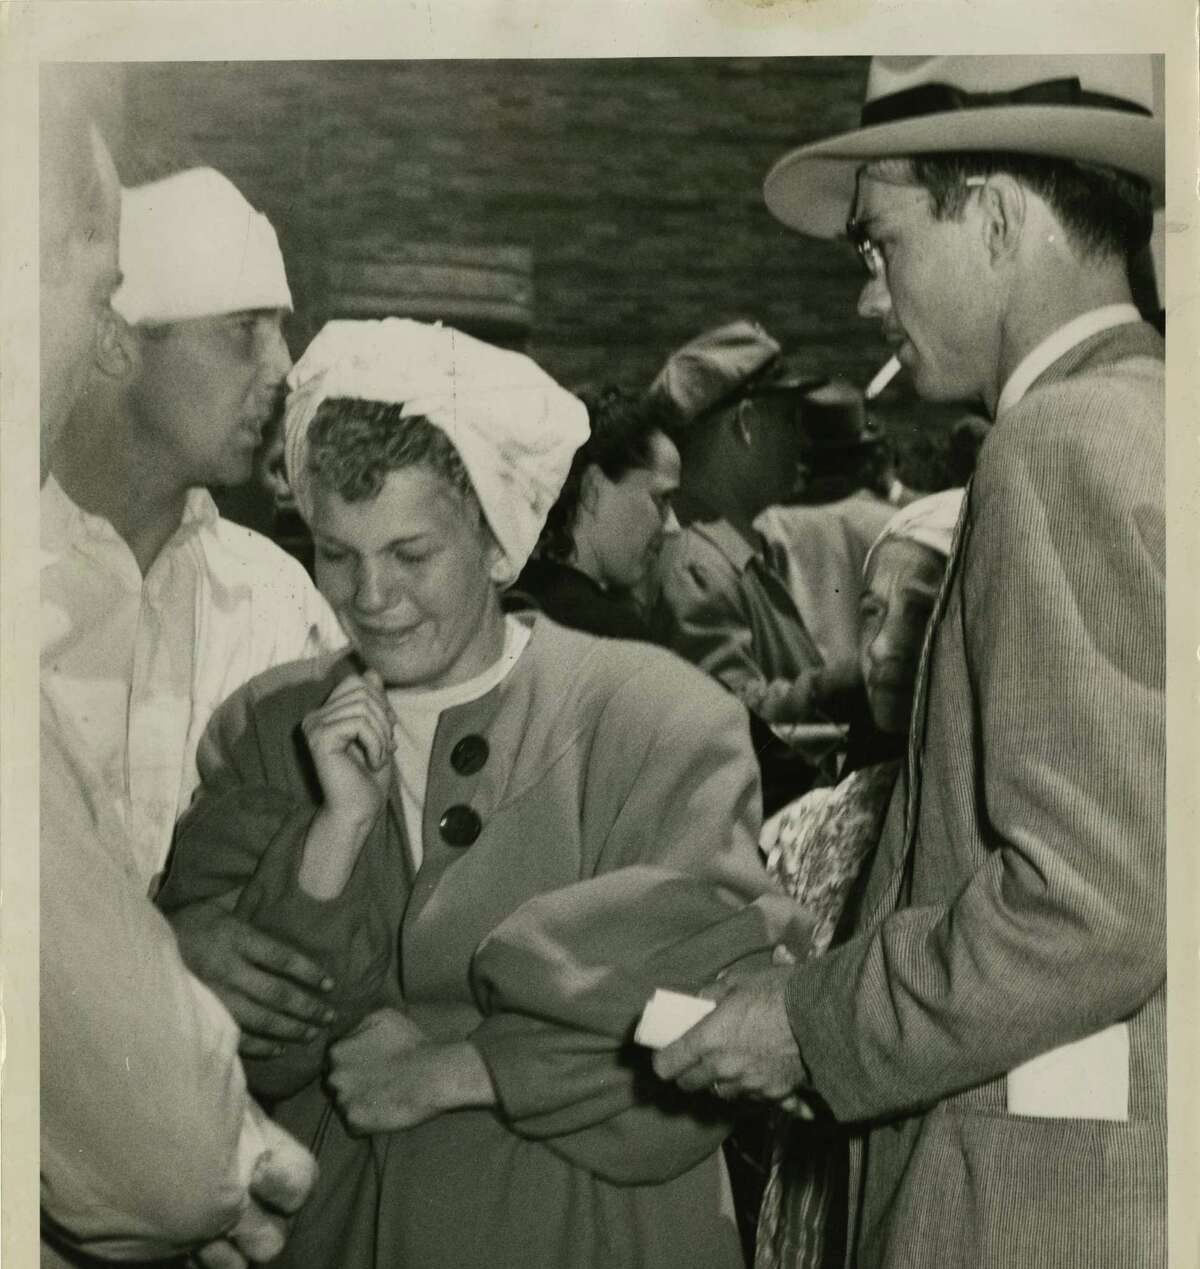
(604, 532)
(816, 848)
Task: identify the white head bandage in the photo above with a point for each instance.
(192, 246)
(930, 521)
(513, 426)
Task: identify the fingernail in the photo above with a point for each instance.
(328, 1016)
(277, 1051)
(311, 1033)
(326, 984)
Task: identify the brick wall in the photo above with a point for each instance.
(634, 185)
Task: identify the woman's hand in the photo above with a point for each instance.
(387, 1075)
(350, 739)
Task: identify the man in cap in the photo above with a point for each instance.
(822, 536)
(149, 1144)
(157, 608)
(738, 417)
(996, 1031)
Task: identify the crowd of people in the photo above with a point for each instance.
(353, 890)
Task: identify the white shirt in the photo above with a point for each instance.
(139, 664)
(417, 713)
(147, 1136)
(1058, 342)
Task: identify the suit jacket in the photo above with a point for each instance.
(615, 809)
(824, 549)
(1019, 888)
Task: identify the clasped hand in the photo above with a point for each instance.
(387, 1075)
(350, 740)
(745, 1046)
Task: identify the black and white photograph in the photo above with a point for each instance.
(605, 695)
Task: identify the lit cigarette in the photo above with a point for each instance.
(883, 376)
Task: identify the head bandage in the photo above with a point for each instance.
(513, 426)
(930, 521)
(192, 246)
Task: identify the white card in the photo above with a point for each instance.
(1088, 1079)
(667, 1015)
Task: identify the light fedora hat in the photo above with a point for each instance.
(1098, 109)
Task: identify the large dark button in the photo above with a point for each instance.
(469, 755)
(460, 826)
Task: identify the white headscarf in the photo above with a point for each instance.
(192, 246)
(513, 426)
(930, 521)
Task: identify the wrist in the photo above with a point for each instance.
(331, 848)
(463, 1078)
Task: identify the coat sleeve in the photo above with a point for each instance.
(244, 836)
(1061, 929)
(678, 893)
(699, 616)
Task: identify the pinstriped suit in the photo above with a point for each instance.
(1023, 907)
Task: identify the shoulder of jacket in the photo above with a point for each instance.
(594, 672)
(300, 679)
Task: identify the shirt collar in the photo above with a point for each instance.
(1058, 342)
(63, 522)
(727, 540)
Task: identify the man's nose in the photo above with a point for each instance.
(670, 523)
(874, 300)
(276, 359)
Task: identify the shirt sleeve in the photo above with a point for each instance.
(678, 894)
(147, 1146)
(1060, 931)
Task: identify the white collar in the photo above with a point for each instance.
(1059, 342)
(63, 522)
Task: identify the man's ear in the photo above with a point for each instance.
(117, 352)
(1005, 204)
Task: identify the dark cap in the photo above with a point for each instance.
(834, 417)
(716, 369)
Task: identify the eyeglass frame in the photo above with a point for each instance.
(869, 255)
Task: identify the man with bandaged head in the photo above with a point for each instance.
(149, 1145)
(156, 608)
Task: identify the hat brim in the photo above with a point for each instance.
(810, 189)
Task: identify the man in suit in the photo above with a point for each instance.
(994, 1033)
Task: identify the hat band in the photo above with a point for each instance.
(933, 99)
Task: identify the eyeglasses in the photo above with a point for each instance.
(869, 255)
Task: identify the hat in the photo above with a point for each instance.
(513, 426)
(1097, 109)
(834, 417)
(192, 246)
(716, 369)
(931, 521)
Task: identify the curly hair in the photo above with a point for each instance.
(354, 445)
(622, 432)
(1104, 211)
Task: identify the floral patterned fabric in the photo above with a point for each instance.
(815, 848)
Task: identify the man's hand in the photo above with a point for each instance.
(283, 1175)
(386, 1075)
(350, 739)
(744, 1048)
(274, 992)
